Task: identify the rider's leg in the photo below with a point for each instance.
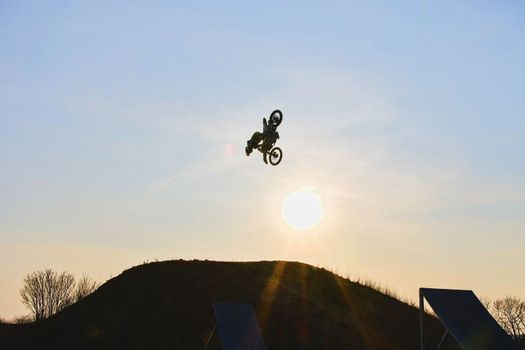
(253, 142)
(265, 158)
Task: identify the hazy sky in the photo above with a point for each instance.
(123, 125)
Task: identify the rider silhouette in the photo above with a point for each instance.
(268, 137)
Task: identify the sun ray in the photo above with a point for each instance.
(360, 319)
(264, 307)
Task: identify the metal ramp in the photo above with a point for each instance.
(237, 327)
(465, 319)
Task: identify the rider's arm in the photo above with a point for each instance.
(265, 125)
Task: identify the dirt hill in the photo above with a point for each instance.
(168, 305)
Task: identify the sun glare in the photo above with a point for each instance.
(302, 209)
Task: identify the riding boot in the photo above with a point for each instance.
(265, 158)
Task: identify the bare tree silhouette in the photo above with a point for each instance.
(510, 314)
(46, 292)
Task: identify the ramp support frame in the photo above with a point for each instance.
(421, 328)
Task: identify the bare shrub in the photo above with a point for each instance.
(85, 286)
(23, 319)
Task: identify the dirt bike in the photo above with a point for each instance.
(266, 140)
(275, 154)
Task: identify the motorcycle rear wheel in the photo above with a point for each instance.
(276, 155)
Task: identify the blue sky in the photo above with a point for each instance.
(123, 126)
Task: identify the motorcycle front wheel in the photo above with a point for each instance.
(276, 117)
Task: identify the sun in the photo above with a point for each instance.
(303, 209)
